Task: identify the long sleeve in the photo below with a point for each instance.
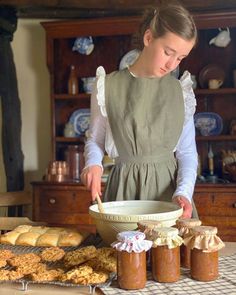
(187, 159)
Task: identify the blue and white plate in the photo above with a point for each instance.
(208, 123)
(129, 58)
(80, 120)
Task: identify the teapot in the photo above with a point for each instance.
(222, 39)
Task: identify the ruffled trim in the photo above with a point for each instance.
(131, 241)
(189, 96)
(101, 74)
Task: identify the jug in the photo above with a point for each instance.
(222, 39)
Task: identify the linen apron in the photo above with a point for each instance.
(146, 117)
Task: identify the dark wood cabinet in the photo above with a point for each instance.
(62, 204)
(216, 206)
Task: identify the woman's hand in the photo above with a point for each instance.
(185, 204)
(91, 178)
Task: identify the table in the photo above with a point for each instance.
(39, 289)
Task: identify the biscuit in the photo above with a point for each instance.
(21, 259)
(6, 254)
(4, 275)
(79, 256)
(15, 275)
(52, 254)
(27, 269)
(3, 262)
(46, 275)
(93, 278)
(77, 272)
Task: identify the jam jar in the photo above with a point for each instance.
(165, 254)
(204, 244)
(131, 259)
(184, 225)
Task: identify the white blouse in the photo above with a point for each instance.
(99, 136)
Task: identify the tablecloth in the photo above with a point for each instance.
(225, 284)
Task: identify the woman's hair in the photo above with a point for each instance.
(168, 16)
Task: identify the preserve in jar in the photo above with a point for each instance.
(131, 259)
(147, 226)
(204, 244)
(165, 254)
(184, 225)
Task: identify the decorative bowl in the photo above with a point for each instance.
(123, 215)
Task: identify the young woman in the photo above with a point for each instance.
(143, 118)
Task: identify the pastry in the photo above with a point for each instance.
(79, 256)
(52, 254)
(9, 237)
(38, 229)
(49, 240)
(23, 228)
(27, 239)
(72, 239)
(43, 236)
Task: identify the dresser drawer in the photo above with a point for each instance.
(71, 201)
(215, 204)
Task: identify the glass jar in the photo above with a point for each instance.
(184, 225)
(131, 259)
(165, 254)
(204, 244)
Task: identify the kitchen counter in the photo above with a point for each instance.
(37, 289)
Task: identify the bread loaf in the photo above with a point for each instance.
(43, 236)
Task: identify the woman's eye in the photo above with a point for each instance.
(167, 53)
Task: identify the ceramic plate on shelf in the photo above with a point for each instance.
(208, 123)
(129, 58)
(210, 71)
(80, 119)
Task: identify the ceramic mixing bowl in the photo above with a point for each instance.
(123, 215)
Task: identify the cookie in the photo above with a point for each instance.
(24, 259)
(46, 275)
(27, 269)
(93, 278)
(79, 256)
(6, 254)
(77, 273)
(52, 254)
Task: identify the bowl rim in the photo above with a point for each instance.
(175, 212)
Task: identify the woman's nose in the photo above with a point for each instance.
(171, 64)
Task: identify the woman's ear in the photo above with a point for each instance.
(147, 37)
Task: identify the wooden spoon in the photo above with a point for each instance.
(100, 206)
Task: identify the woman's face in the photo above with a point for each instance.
(164, 54)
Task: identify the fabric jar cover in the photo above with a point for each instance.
(132, 241)
(185, 224)
(147, 226)
(166, 236)
(204, 238)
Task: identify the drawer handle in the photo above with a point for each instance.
(234, 205)
(52, 201)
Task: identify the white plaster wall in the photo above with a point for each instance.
(29, 50)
